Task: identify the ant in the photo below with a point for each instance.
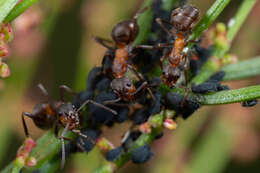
(56, 113)
(123, 35)
(182, 22)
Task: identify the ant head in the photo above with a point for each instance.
(125, 32)
(123, 86)
(170, 75)
(68, 114)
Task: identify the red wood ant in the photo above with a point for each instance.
(123, 35)
(56, 113)
(182, 21)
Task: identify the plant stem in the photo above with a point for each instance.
(236, 22)
(211, 15)
(212, 66)
(222, 97)
(230, 96)
(141, 141)
(242, 69)
(18, 9)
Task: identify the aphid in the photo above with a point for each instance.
(182, 22)
(114, 153)
(174, 101)
(205, 87)
(123, 35)
(142, 154)
(249, 103)
(59, 113)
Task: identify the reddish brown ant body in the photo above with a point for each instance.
(56, 113)
(182, 21)
(123, 35)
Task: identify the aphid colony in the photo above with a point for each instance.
(123, 89)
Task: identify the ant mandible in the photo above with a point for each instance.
(55, 113)
(123, 35)
(182, 22)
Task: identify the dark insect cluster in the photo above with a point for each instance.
(128, 85)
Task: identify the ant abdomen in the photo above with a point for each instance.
(183, 18)
(125, 32)
(43, 116)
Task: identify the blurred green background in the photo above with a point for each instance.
(53, 46)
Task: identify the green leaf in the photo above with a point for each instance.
(242, 69)
(211, 15)
(19, 9)
(5, 7)
(230, 96)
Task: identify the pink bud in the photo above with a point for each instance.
(170, 124)
(145, 128)
(4, 50)
(29, 144)
(7, 30)
(4, 70)
(31, 161)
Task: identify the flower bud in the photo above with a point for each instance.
(170, 124)
(145, 128)
(7, 30)
(31, 161)
(4, 51)
(4, 70)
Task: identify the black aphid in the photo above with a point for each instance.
(142, 154)
(174, 101)
(114, 153)
(249, 103)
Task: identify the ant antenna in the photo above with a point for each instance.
(139, 13)
(43, 90)
(97, 104)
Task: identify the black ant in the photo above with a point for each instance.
(182, 22)
(55, 113)
(123, 35)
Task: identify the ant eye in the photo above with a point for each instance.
(128, 85)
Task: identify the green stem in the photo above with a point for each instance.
(230, 96)
(236, 22)
(19, 9)
(242, 69)
(211, 15)
(6, 7)
(224, 97)
(212, 66)
(141, 141)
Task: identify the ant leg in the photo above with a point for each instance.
(24, 123)
(140, 77)
(161, 23)
(64, 88)
(84, 136)
(112, 102)
(56, 129)
(186, 80)
(144, 84)
(62, 137)
(80, 146)
(97, 104)
(103, 42)
(43, 90)
(158, 46)
(163, 58)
